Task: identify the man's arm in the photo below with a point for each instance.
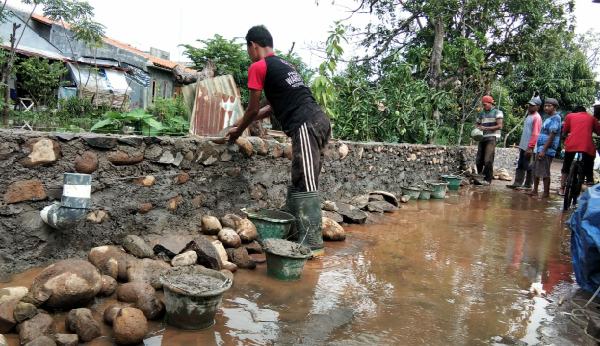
(498, 126)
(250, 115)
(535, 133)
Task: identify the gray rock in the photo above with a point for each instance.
(66, 339)
(240, 258)
(7, 317)
(210, 225)
(137, 246)
(381, 207)
(333, 216)
(82, 322)
(101, 142)
(178, 159)
(24, 311)
(329, 206)
(133, 141)
(187, 258)
(42, 341)
(167, 158)
(147, 270)
(254, 248)
(172, 245)
(206, 252)
(351, 214)
(387, 196)
(40, 325)
(229, 238)
(66, 284)
(109, 285)
(110, 260)
(230, 220)
(3, 341)
(12, 293)
(360, 201)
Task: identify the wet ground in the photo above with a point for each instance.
(456, 271)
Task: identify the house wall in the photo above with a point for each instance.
(162, 83)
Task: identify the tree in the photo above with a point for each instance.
(40, 78)
(74, 15)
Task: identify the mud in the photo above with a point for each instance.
(455, 271)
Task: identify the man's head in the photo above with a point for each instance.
(259, 42)
(488, 102)
(579, 109)
(534, 105)
(597, 110)
(550, 106)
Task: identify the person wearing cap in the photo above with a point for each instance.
(529, 136)
(578, 128)
(490, 121)
(547, 145)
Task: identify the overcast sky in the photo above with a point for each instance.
(166, 24)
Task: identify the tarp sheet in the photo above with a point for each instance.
(585, 239)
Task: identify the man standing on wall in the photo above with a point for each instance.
(529, 136)
(547, 145)
(295, 108)
(490, 121)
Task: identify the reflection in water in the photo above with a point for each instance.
(455, 271)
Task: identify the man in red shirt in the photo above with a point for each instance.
(578, 128)
(301, 118)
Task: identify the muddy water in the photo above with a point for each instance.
(456, 271)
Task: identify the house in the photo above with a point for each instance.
(115, 71)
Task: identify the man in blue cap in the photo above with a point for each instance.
(547, 145)
(529, 136)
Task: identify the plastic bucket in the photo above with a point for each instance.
(285, 259)
(306, 208)
(192, 296)
(412, 192)
(425, 194)
(270, 223)
(438, 189)
(453, 181)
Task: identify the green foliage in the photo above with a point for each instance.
(79, 15)
(230, 57)
(40, 79)
(173, 113)
(322, 86)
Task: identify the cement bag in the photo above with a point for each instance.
(597, 162)
(585, 239)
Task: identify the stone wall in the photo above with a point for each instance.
(157, 186)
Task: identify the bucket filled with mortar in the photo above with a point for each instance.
(270, 223)
(192, 296)
(285, 259)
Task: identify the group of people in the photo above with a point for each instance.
(540, 142)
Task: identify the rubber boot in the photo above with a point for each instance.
(288, 208)
(306, 208)
(528, 179)
(563, 184)
(519, 176)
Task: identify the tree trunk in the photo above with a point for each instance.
(8, 65)
(435, 63)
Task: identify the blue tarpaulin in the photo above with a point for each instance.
(585, 239)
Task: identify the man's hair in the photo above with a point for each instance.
(597, 112)
(259, 35)
(579, 109)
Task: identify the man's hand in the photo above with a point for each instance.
(481, 127)
(233, 134)
(541, 154)
(528, 152)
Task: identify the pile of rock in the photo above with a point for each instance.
(359, 208)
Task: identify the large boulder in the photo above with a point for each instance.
(12, 293)
(229, 238)
(187, 258)
(206, 252)
(210, 225)
(129, 326)
(42, 341)
(111, 312)
(351, 214)
(240, 258)
(109, 285)
(65, 284)
(66, 339)
(230, 220)
(82, 322)
(246, 230)
(387, 196)
(110, 260)
(360, 201)
(137, 246)
(7, 319)
(332, 230)
(40, 325)
(147, 270)
(381, 207)
(333, 215)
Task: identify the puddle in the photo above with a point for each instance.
(456, 271)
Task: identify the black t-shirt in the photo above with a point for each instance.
(291, 100)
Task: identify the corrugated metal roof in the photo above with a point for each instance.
(153, 59)
(217, 105)
(30, 51)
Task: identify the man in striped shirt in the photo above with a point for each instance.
(490, 121)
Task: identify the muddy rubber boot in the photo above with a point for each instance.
(528, 179)
(306, 208)
(288, 208)
(519, 177)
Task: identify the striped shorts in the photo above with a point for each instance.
(308, 143)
